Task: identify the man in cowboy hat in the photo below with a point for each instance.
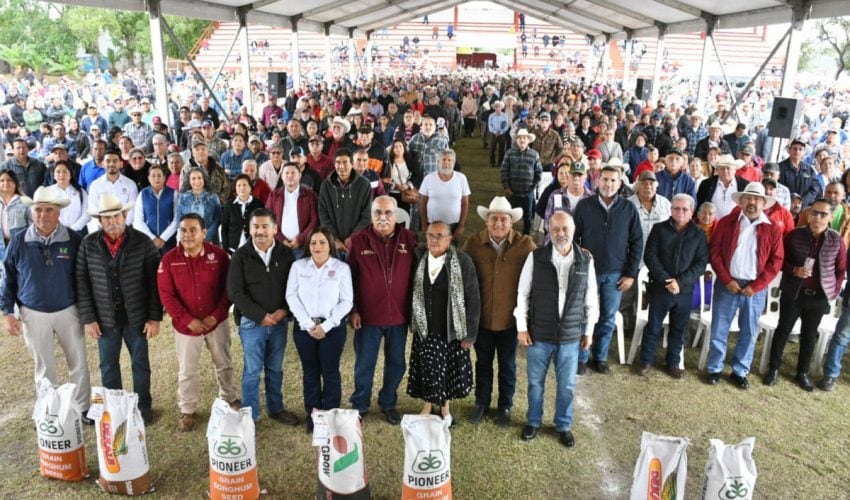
(695, 131)
(117, 296)
(718, 188)
(674, 179)
(39, 268)
(339, 137)
(714, 139)
(498, 253)
(520, 173)
(746, 254)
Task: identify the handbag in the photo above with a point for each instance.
(409, 195)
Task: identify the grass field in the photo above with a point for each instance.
(802, 439)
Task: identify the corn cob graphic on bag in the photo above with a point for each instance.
(661, 469)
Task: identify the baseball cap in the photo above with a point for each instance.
(365, 129)
(578, 167)
(296, 151)
(747, 150)
(796, 140)
(647, 175)
(594, 153)
(676, 151)
(544, 116)
(207, 123)
(145, 100)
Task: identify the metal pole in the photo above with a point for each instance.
(352, 53)
(217, 74)
(247, 95)
(659, 58)
(295, 65)
(725, 78)
(749, 84)
(604, 59)
(627, 66)
(702, 90)
(158, 56)
(198, 75)
(329, 77)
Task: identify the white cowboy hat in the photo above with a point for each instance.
(500, 205)
(754, 189)
(715, 124)
(342, 121)
(109, 204)
(525, 133)
(730, 160)
(46, 195)
(615, 162)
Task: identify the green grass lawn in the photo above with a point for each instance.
(801, 451)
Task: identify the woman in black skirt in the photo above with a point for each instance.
(446, 309)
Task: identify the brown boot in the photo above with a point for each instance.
(186, 422)
(236, 404)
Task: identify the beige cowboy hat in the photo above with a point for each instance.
(342, 121)
(46, 195)
(755, 189)
(728, 160)
(109, 204)
(615, 162)
(500, 205)
(525, 133)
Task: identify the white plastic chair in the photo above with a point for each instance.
(826, 330)
(642, 318)
(704, 328)
(769, 320)
(403, 217)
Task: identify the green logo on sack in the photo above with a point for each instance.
(230, 448)
(427, 462)
(733, 490)
(50, 426)
(347, 460)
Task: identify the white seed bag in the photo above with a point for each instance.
(427, 457)
(342, 469)
(730, 473)
(61, 449)
(233, 458)
(661, 469)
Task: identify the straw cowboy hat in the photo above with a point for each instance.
(615, 162)
(500, 205)
(525, 133)
(109, 204)
(342, 121)
(754, 189)
(46, 195)
(728, 160)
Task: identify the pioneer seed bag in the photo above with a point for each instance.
(661, 469)
(730, 473)
(61, 449)
(233, 458)
(427, 458)
(121, 450)
(342, 470)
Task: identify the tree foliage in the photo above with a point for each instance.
(834, 34)
(47, 37)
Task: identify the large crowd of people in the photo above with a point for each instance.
(309, 209)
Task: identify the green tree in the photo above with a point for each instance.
(833, 32)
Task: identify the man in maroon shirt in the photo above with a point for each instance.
(192, 282)
(318, 161)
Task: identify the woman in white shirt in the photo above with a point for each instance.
(74, 216)
(320, 296)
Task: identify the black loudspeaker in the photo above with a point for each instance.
(785, 117)
(643, 89)
(277, 85)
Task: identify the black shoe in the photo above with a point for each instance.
(644, 370)
(582, 368)
(772, 377)
(309, 425)
(529, 432)
(147, 415)
(805, 382)
(676, 372)
(477, 414)
(285, 417)
(827, 384)
(86, 420)
(712, 378)
(567, 439)
(503, 418)
(601, 367)
(740, 381)
(392, 416)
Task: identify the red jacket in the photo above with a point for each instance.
(308, 211)
(770, 250)
(194, 287)
(382, 272)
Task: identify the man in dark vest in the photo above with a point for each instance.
(565, 309)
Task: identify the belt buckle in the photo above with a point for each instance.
(810, 291)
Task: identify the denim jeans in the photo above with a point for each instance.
(660, 303)
(367, 342)
(609, 304)
(526, 202)
(109, 349)
(320, 363)
(565, 357)
(488, 346)
(723, 308)
(263, 348)
(837, 346)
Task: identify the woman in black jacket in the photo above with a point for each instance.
(236, 215)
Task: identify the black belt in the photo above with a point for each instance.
(812, 291)
(743, 283)
(318, 321)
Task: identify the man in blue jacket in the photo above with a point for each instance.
(609, 227)
(674, 179)
(40, 264)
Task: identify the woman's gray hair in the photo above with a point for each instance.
(187, 186)
(707, 205)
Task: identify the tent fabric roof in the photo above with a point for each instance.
(596, 18)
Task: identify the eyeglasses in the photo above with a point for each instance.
(435, 237)
(819, 214)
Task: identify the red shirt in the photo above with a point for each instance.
(194, 287)
(749, 173)
(324, 165)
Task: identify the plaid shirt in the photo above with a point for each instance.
(427, 150)
(521, 170)
(694, 135)
(139, 135)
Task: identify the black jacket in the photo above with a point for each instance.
(614, 237)
(670, 254)
(344, 210)
(233, 224)
(255, 289)
(707, 187)
(138, 267)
